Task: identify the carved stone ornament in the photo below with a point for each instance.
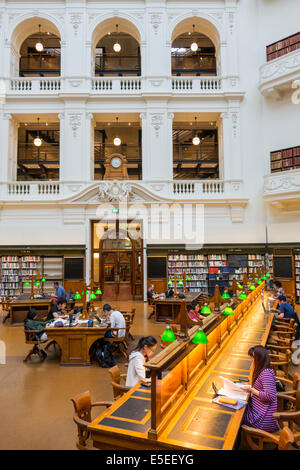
(282, 183)
(75, 120)
(155, 20)
(75, 20)
(281, 66)
(114, 191)
(156, 122)
(234, 117)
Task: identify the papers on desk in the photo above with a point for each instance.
(232, 390)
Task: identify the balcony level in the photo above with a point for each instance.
(282, 189)
(119, 86)
(206, 191)
(278, 75)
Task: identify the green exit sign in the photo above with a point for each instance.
(115, 211)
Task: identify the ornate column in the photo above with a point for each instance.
(157, 152)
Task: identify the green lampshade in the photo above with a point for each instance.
(259, 281)
(264, 278)
(268, 275)
(243, 296)
(27, 284)
(252, 287)
(98, 292)
(205, 310)
(188, 278)
(37, 284)
(240, 286)
(170, 283)
(200, 338)
(43, 280)
(168, 335)
(180, 282)
(93, 296)
(77, 296)
(228, 311)
(225, 295)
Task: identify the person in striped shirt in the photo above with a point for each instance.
(263, 396)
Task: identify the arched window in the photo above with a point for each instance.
(193, 53)
(118, 54)
(40, 55)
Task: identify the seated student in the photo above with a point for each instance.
(263, 401)
(31, 324)
(194, 311)
(56, 310)
(286, 311)
(116, 321)
(151, 294)
(136, 370)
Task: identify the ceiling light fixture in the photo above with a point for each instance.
(194, 45)
(39, 46)
(196, 140)
(117, 140)
(116, 45)
(38, 141)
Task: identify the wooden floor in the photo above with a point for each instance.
(36, 412)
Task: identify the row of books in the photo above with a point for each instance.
(297, 274)
(186, 257)
(10, 266)
(182, 264)
(284, 46)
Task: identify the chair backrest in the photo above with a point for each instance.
(285, 439)
(31, 336)
(83, 405)
(115, 374)
(296, 381)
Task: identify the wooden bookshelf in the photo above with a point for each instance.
(283, 47)
(286, 159)
(194, 265)
(297, 277)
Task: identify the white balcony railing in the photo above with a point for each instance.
(198, 190)
(122, 86)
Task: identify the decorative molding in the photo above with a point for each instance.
(234, 117)
(75, 20)
(155, 20)
(156, 121)
(282, 183)
(75, 121)
(73, 216)
(75, 83)
(114, 191)
(231, 21)
(156, 83)
(143, 116)
(61, 116)
(170, 115)
(276, 75)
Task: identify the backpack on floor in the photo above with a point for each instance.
(104, 355)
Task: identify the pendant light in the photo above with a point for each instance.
(117, 140)
(194, 45)
(38, 141)
(196, 140)
(39, 46)
(116, 45)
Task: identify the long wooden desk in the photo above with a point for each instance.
(19, 307)
(75, 342)
(178, 412)
(171, 308)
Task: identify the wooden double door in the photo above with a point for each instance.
(121, 275)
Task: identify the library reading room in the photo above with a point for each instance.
(149, 227)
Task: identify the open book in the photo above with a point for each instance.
(232, 390)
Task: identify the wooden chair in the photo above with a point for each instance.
(290, 417)
(120, 343)
(5, 302)
(116, 378)
(293, 385)
(129, 316)
(256, 438)
(31, 337)
(83, 416)
(280, 363)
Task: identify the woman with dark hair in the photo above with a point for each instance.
(263, 399)
(194, 311)
(136, 370)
